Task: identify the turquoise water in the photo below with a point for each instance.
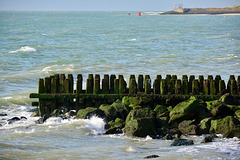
(34, 45)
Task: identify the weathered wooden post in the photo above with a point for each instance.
(191, 79)
(213, 90)
(206, 87)
(195, 87)
(97, 85)
(210, 77)
(47, 85)
(185, 86)
(222, 87)
(156, 86)
(70, 77)
(41, 88)
(122, 86)
(178, 88)
(105, 86)
(164, 87)
(132, 86)
(200, 81)
(233, 87)
(231, 77)
(116, 86)
(172, 86)
(168, 78)
(79, 84)
(238, 85)
(148, 86)
(61, 81)
(217, 79)
(89, 87)
(184, 77)
(140, 83)
(112, 78)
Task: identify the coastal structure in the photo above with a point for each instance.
(57, 91)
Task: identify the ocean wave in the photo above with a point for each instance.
(24, 49)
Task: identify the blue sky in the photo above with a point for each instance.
(110, 5)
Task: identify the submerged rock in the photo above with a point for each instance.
(233, 132)
(3, 114)
(151, 156)
(14, 119)
(208, 139)
(184, 110)
(180, 142)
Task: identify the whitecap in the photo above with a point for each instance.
(96, 124)
(24, 49)
(134, 39)
(130, 149)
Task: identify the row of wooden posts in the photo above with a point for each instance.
(113, 85)
(57, 91)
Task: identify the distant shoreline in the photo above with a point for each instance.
(233, 10)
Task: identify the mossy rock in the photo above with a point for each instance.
(140, 127)
(233, 132)
(185, 110)
(140, 113)
(115, 110)
(115, 127)
(88, 112)
(237, 113)
(180, 142)
(188, 127)
(135, 102)
(161, 111)
(218, 108)
(223, 125)
(204, 126)
(229, 99)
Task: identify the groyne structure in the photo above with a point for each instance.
(57, 91)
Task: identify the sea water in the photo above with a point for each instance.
(34, 45)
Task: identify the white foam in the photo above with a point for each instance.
(130, 149)
(24, 132)
(134, 39)
(96, 124)
(24, 49)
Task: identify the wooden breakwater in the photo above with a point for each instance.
(57, 91)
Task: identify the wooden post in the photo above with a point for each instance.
(116, 86)
(140, 83)
(132, 86)
(206, 85)
(89, 87)
(185, 77)
(195, 87)
(122, 86)
(97, 85)
(233, 87)
(172, 86)
(54, 85)
(70, 77)
(178, 88)
(164, 87)
(41, 88)
(147, 86)
(106, 76)
(222, 87)
(112, 78)
(159, 77)
(168, 78)
(79, 84)
(105, 86)
(200, 81)
(238, 85)
(156, 86)
(47, 85)
(217, 79)
(210, 77)
(231, 77)
(61, 81)
(191, 78)
(185, 86)
(174, 77)
(66, 86)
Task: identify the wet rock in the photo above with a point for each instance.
(136, 102)
(218, 108)
(184, 110)
(204, 126)
(70, 114)
(140, 113)
(12, 120)
(187, 127)
(237, 113)
(35, 114)
(151, 156)
(180, 142)
(115, 127)
(229, 99)
(233, 132)
(140, 127)
(208, 139)
(88, 112)
(223, 125)
(3, 114)
(56, 113)
(42, 119)
(170, 136)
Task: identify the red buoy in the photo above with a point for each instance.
(139, 14)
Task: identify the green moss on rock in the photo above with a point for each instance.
(88, 112)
